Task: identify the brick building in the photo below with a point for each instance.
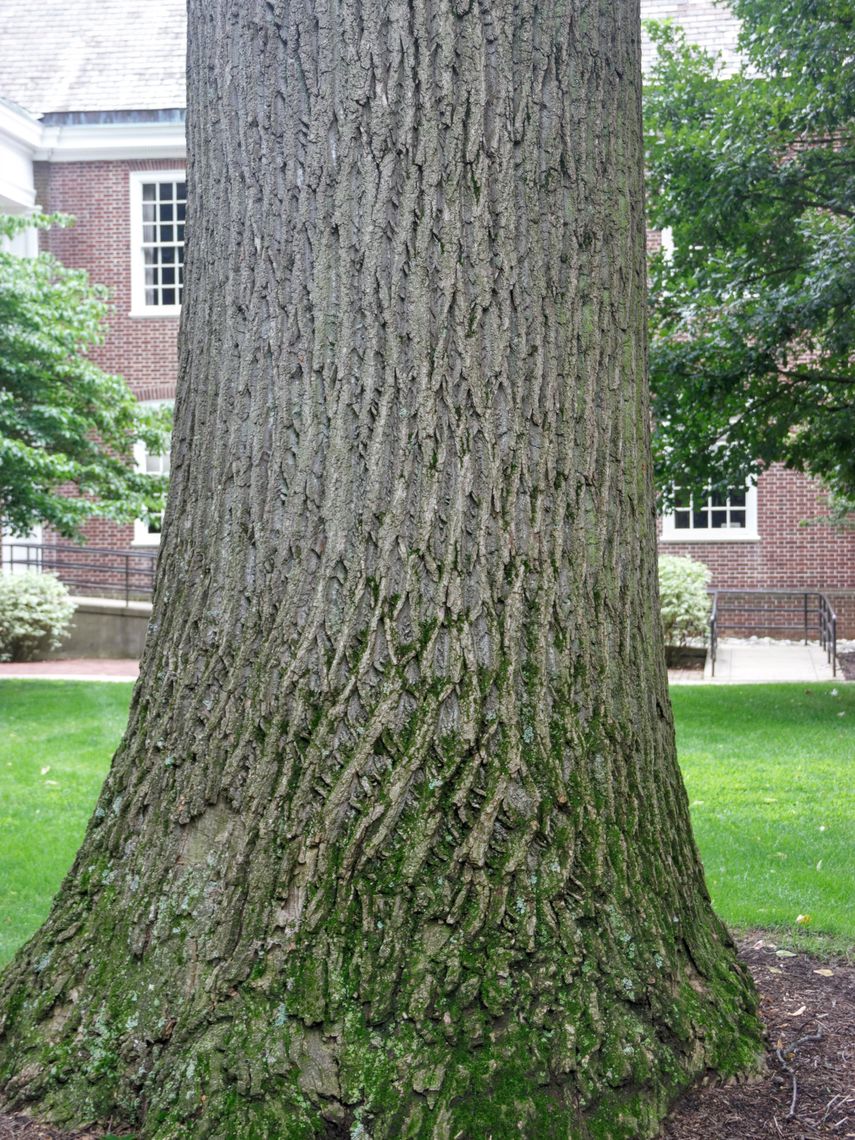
(92, 124)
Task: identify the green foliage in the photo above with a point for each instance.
(63, 422)
(685, 603)
(35, 614)
(753, 318)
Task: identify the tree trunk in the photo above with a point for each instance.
(396, 844)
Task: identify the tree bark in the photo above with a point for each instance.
(396, 843)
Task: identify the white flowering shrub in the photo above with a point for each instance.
(35, 615)
(684, 598)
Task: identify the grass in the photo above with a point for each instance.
(56, 740)
(770, 771)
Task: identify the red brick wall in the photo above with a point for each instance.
(97, 194)
(142, 349)
(793, 551)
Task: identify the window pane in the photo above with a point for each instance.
(737, 519)
(162, 241)
(700, 519)
(737, 498)
(682, 520)
(718, 499)
(719, 519)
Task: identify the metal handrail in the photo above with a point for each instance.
(713, 632)
(128, 572)
(826, 617)
(828, 632)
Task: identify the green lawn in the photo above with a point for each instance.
(769, 769)
(56, 740)
(770, 772)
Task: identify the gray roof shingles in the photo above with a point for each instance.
(92, 55)
(61, 56)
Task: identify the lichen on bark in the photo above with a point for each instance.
(396, 844)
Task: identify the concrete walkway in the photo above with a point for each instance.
(738, 663)
(73, 669)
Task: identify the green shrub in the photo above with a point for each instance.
(684, 598)
(35, 615)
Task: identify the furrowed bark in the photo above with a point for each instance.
(396, 844)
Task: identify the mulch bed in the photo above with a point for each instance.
(847, 664)
(18, 1127)
(807, 1089)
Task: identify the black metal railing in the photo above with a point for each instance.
(828, 632)
(750, 610)
(100, 570)
(713, 633)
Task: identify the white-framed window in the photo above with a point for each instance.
(158, 214)
(147, 531)
(719, 516)
(19, 554)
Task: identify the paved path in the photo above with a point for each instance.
(738, 663)
(73, 669)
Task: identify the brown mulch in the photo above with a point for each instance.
(806, 1091)
(847, 664)
(18, 1127)
(798, 1004)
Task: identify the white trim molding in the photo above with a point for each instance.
(727, 533)
(80, 142)
(19, 136)
(138, 179)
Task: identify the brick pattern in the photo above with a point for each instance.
(97, 195)
(706, 23)
(142, 349)
(654, 242)
(795, 551)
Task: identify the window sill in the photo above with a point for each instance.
(156, 311)
(153, 541)
(708, 536)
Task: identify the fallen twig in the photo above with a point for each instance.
(790, 1051)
